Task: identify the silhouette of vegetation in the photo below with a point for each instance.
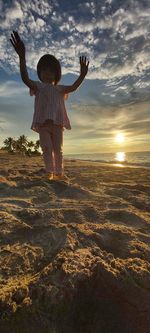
(21, 146)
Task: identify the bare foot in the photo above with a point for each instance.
(49, 176)
(61, 177)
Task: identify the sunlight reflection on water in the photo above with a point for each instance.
(120, 156)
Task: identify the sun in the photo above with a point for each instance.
(119, 138)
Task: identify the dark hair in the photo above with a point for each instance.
(49, 61)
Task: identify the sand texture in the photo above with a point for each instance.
(74, 258)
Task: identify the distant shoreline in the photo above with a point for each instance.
(112, 163)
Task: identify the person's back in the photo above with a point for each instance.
(49, 105)
(50, 115)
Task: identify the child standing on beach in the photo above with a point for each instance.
(50, 116)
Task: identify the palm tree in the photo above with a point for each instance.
(9, 144)
(37, 145)
(36, 148)
(30, 144)
(22, 143)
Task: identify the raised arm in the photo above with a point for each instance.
(83, 71)
(20, 50)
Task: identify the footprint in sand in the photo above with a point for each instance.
(72, 215)
(141, 202)
(113, 241)
(126, 218)
(14, 203)
(93, 214)
(65, 190)
(42, 198)
(29, 251)
(117, 205)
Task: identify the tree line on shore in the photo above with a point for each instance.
(21, 145)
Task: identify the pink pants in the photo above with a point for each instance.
(51, 141)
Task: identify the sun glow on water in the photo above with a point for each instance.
(120, 156)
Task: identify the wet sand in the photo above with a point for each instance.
(74, 257)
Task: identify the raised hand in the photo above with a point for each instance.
(17, 44)
(83, 65)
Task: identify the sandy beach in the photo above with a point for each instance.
(74, 258)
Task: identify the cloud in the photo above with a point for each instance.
(114, 35)
(103, 121)
(11, 89)
(12, 14)
(91, 124)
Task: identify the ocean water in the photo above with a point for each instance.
(139, 159)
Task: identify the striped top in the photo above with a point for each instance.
(49, 105)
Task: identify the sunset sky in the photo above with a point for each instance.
(115, 97)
